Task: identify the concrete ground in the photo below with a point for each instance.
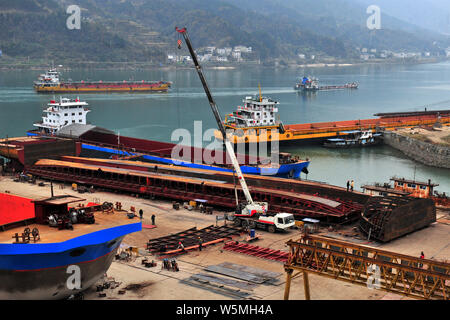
(157, 284)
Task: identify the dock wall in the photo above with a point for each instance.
(424, 152)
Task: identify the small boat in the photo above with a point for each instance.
(356, 138)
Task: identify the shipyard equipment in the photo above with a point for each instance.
(253, 214)
(366, 266)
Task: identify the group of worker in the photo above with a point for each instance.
(350, 185)
(141, 216)
(200, 245)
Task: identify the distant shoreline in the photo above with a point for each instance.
(133, 66)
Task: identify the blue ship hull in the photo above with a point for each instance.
(291, 170)
(44, 270)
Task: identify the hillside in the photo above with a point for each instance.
(143, 30)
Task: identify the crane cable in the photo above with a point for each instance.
(179, 42)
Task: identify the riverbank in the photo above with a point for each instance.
(430, 147)
(13, 64)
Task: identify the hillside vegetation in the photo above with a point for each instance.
(143, 30)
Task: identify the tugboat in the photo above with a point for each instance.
(258, 117)
(50, 82)
(312, 84)
(307, 84)
(356, 138)
(67, 119)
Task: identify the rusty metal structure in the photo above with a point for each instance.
(356, 199)
(25, 151)
(387, 218)
(190, 238)
(216, 192)
(366, 266)
(256, 251)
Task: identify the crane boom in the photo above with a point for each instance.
(215, 110)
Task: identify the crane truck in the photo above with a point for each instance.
(250, 214)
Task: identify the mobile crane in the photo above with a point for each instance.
(252, 214)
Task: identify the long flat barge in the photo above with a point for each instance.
(300, 186)
(50, 82)
(104, 86)
(319, 131)
(212, 188)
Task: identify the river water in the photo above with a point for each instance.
(382, 88)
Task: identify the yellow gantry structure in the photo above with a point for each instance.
(366, 266)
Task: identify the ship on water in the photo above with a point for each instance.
(318, 132)
(312, 84)
(67, 118)
(51, 251)
(51, 82)
(354, 139)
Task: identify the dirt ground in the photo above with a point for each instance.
(157, 284)
(439, 136)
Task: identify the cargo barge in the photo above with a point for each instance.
(66, 118)
(41, 262)
(288, 134)
(312, 84)
(50, 82)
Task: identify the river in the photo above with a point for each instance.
(382, 88)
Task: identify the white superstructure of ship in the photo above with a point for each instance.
(61, 113)
(256, 112)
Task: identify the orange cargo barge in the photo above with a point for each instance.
(323, 130)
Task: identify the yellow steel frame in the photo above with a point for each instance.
(341, 260)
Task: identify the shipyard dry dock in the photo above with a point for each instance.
(198, 276)
(231, 265)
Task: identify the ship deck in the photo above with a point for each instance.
(49, 234)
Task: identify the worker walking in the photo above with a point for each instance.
(422, 256)
(348, 185)
(352, 185)
(153, 219)
(141, 214)
(200, 244)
